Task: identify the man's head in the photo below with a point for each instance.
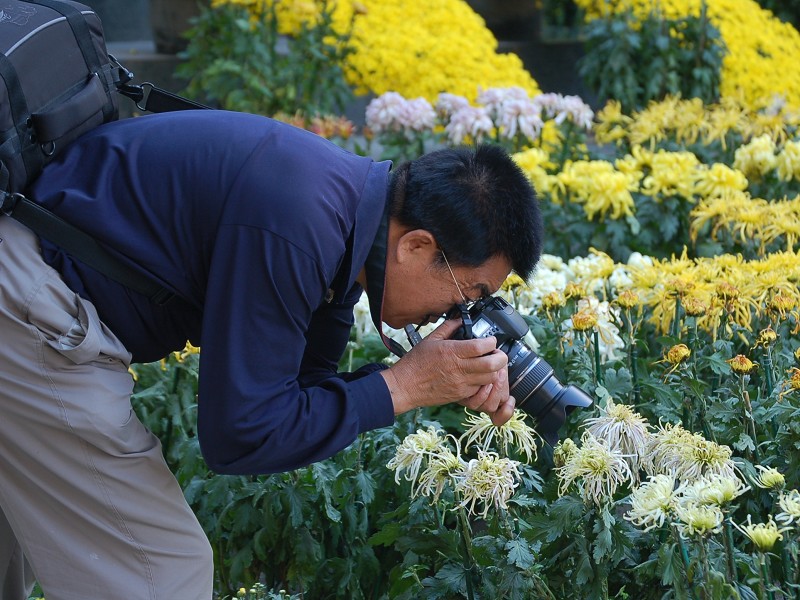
(471, 208)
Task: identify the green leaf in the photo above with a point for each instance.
(365, 484)
(450, 579)
(618, 382)
(519, 553)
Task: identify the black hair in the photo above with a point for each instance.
(476, 202)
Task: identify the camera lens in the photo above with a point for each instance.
(539, 393)
(531, 381)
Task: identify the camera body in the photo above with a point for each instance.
(530, 378)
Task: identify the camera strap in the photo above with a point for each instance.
(375, 270)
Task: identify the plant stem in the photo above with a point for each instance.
(701, 543)
(685, 561)
(596, 348)
(765, 578)
(676, 320)
(749, 422)
(730, 562)
(633, 357)
(786, 564)
(770, 376)
(469, 560)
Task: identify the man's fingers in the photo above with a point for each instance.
(504, 412)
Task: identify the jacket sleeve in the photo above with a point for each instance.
(254, 413)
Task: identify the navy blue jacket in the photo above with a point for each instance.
(249, 219)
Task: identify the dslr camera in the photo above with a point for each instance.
(530, 378)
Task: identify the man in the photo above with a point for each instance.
(267, 236)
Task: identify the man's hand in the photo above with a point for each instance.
(439, 370)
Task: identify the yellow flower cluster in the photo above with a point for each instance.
(689, 121)
(410, 47)
(292, 15)
(762, 50)
(598, 186)
(750, 285)
(424, 48)
(749, 219)
(605, 189)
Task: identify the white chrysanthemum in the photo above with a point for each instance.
(494, 98)
(362, 318)
(552, 263)
(469, 121)
(592, 270)
(763, 535)
(770, 478)
(519, 117)
(639, 261)
(622, 428)
(562, 108)
(686, 455)
(414, 452)
(596, 469)
(653, 502)
(489, 480)
(545, 281)
(442, 469)
(417, 115)
(448, 104)
(698, 519)
(384, 112)
(391, 112)
(790, 507)
(717, 490)
(620, 278)
(515, 433)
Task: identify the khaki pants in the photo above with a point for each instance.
(87, 503)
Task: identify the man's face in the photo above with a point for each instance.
(421, 287)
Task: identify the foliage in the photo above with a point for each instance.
(241, 61)
(759, 65)
(411, 47)
(636, 60)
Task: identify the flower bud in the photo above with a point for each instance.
(770, 478)
(584, 320)
(679, 286)
(553, 300)
(694, 307)
(781, 303)
(512, 282)
(563, 451)
(677, 354)
(742, 365)
(766, 337)
(574, 290)
(726, 291)
(628, 299)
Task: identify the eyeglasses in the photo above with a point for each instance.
(466, 301)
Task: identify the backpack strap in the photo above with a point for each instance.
(84, 247)
(157, 99)
(20, 139)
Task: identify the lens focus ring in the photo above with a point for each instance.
(529, 380)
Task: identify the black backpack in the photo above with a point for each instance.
(58, 81)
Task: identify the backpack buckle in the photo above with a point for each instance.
(8, 202)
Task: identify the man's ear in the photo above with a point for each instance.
(416, 244)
